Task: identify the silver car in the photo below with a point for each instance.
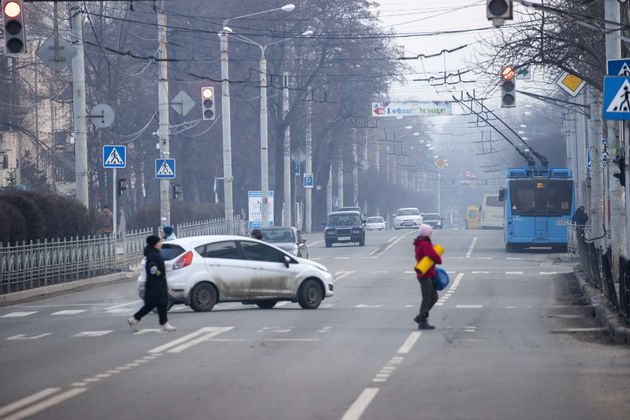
(286, 238)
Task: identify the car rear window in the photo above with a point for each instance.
(225, 250)
(170, 251)
(375, 220)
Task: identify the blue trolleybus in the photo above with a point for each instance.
(539, 203)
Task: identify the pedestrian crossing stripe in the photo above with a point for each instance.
(114, 158)
(621, 101)
(165, 170)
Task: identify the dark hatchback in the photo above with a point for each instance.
(344, 227)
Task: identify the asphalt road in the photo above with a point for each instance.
(513, 341)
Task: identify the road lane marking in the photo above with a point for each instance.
(120, 310)
(342, 274)
(69, 312)
(393, 238)
(341, 258)
(548, 273)
(472, 247)
(43, 405)
(392, 243)
(148, 330)
(409, 272)
(514, 273)
(190, 340)
(468, 306)
(26, 337)
(359, 406)
(510, 307)
(379, 380)
(484, 258)
(409, 342)
(368, 306)
(579, 330)
(135, 302)
(281, 304)
(18, 314)
(480, 272)
(28, 400)
(298, 340)
(514, 258)
(92, 333)
(458, 280)
(316, 243)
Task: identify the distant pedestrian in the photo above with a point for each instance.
(168, 234)
(155, 287)
(579, 219)
(256, 234)
(424, 248)
(105, 221)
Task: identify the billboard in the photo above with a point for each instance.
(412, 109)
(255, 209)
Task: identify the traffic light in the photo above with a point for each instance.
(621, 163)
(13, 19)
(508, 87)
(207, 103)
(499, 11)
(121, 185)
(177, 191)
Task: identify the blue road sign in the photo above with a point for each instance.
(308, 181)
(620, 67)
(616, 98)
(114, 156)
(164, 168)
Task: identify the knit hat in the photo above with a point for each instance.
(425, 230)
(168, 230)
(152, 240)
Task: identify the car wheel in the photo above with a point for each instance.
(203, 297)
(266, 304)
(310, 294)
(328, 244)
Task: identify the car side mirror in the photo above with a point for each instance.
(287, 261)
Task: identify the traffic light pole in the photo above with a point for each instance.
(78, 106)
(287, 155)
(163, 131)
(308, 193)
(226, 123)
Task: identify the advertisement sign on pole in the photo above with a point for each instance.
(255, 209)
(411, 109)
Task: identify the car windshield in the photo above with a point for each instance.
(431, 217)
(375, 220)
(408, 212)
(549, 198)
(348, 219)
(350, 209)
(278, 235)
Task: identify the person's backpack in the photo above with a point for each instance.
(441, 279)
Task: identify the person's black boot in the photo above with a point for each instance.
(423, 323)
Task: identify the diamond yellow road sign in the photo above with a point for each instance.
(440, 163)
(571, 83)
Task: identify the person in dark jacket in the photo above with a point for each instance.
(155, 288)
(579, 219)
(424, 247)
(257, 234)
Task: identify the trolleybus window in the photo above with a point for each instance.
(541, 197)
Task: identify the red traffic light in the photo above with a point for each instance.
(12, 9)
(508, 73)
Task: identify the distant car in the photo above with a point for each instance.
(353, 208)
(344, 227)
(407, 218)
(286, 238)
(202, 271)
(375, 223)
(432, 219)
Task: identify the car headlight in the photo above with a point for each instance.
(356, 230)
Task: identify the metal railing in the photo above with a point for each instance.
(37, 264)
(29, 265)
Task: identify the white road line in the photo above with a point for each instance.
(148, 330)
(458, 279)
(341, 258)
(391, 244)
(92, 333)
(514, 258)
(480, 272)
(70, 312)
(379, 380)
(514, 273)
(78, 384)
(43, 405)
(484, 258)
(579, 330)
(18, 314)
(380, 272)
(188, 341)
(409, 342)
(360, 404)
(548, 273)
(409, 272)
(469, 306)
(120, 310)
(368, 306)
(383, 375)
(28, 400)
(451, 272)
(135, 302)
(281, 304)
(315, 259)
(342, 275)
(510, 307)
(393, 238)
(472, 247)
(26, 337)
(308, 340)
(316, 243)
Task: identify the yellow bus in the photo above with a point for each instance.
(473, 220)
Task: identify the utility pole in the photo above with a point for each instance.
(164, 130)
(226, 124)
(78, 106)
(329, 201)
(340, 178)
(597, 181)
(264, 156)
(287, 153)
(355, 168)
(308, 193)
(612, 15)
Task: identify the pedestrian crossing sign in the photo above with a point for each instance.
(164, 168)
(616, 98)
(619, 67)
(114, 156)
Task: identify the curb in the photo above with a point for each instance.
(45, 291)
(604, 312)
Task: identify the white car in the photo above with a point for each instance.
(202, 271)
(375, 223)
(407, 218)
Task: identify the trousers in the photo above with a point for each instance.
(429, 296)
(148, 307)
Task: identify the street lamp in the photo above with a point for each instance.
(264, 142)
(226, 120)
